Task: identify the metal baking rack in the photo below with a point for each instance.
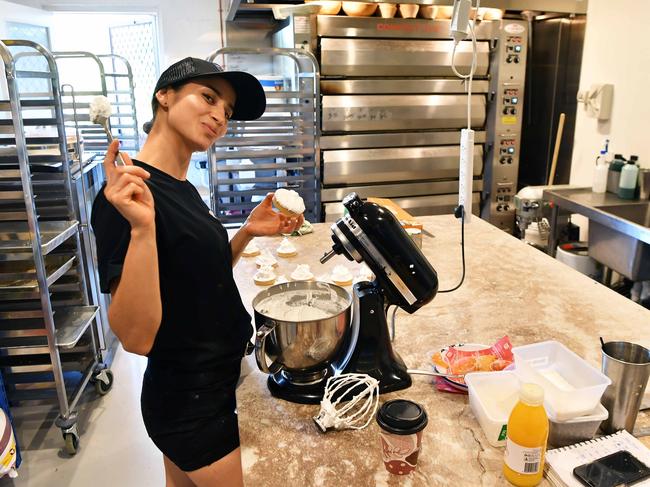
(49, 343)
(106, 75)
(280, 149)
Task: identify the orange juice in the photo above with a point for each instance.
(523, 464)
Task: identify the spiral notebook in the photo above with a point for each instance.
(561, 461)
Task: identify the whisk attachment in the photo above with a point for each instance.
(350, 402)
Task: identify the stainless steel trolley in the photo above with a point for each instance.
(278, 150)
(49, 338)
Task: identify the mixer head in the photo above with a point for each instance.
(370, 233)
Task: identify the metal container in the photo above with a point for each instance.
(628, 365)
(623, 253)
(300, 347)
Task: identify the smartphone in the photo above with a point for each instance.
(618, 469)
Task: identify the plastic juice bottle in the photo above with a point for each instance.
(523, 464)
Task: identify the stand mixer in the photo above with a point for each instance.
(367, 233)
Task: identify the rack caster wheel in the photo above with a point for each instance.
(71, 443)
(70, 438)
(103, 382)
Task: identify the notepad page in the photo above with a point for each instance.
(564, 460)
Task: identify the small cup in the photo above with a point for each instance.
(401, 422)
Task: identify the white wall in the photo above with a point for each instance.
(616, 51)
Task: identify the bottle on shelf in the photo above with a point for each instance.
(601, 170)
(614, 174)
(629, 179)
(527, 434)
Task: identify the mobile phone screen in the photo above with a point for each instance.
(620, 468)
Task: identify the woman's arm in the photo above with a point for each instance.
(136, 309)
(263, 221)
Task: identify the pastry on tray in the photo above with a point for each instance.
(265, 258)
(342, 276)
(264, 276)
(302, 273)
(287, 249)
(251, 250)
(288, 202)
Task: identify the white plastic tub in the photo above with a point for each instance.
(582, 428)
(492, 395)
(571, 386)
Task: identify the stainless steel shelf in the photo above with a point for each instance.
(16, 237)
(21, 275)
(71, 323)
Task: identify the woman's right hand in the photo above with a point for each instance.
(127, 191)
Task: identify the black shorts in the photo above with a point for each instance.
(191, 416)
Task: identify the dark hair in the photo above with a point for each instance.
(155, 105)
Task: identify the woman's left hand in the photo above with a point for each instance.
(265, 221)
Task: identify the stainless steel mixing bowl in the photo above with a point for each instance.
(300, 347)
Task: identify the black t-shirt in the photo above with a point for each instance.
(204, 322)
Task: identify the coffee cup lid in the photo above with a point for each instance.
(402, 417)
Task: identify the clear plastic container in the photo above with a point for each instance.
(492, 395)
(571, 386)
(582, 428)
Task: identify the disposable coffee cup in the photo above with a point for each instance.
(402, 423)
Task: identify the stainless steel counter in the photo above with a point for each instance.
(595, 206)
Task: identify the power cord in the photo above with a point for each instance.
(459, 212)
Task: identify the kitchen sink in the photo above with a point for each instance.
(613, 240)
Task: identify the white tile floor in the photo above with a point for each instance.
(114, 449)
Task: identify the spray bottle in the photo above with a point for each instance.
(601, 170)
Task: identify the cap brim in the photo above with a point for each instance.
(251, 100)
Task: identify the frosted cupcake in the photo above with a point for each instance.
(288, 202)
(302, 273)
(342, 276)
(365, 274)
(286, 248)
(251, 250)
(266, 259)
(264, 276)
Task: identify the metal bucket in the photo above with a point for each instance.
(300, 347)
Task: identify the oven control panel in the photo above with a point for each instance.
(508, 66)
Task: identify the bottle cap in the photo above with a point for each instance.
(531, 394)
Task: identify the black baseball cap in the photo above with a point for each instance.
(251, 100)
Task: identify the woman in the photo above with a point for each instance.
(167, 263)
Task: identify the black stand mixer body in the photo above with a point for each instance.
(370, 233)
(404, 277)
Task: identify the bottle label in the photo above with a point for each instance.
(521, 459)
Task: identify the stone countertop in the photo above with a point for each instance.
(510, 288)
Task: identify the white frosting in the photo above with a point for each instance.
(290, 200)
(264, 273)
(365, 274)
(266, 259)
(302, 305)
(281, 279)
(302, 273)
(286, 247)
(251, 248)
(100, 108)
(340, 273)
